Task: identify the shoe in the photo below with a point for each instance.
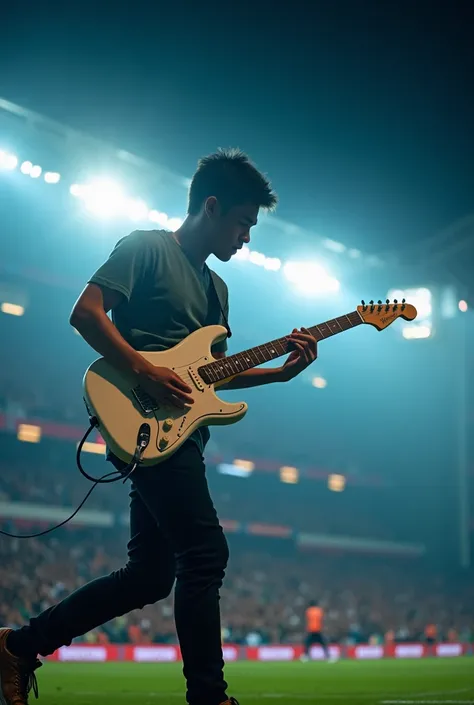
(17, 676)
(231, 701)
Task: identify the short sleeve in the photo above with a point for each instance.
(126, 265)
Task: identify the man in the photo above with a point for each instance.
(314, 630)
(159, 289)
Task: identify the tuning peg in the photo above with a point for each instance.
(363, 302)
(403, 301)
(395, 301)
(387, 301)
(379, 301)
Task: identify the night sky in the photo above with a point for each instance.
(361, 112)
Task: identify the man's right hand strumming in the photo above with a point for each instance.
(166, 387)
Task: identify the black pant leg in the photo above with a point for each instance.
(147, 577)
(177, 493)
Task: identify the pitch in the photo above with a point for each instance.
(423, 682)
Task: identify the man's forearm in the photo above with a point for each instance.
(255, 378)
(100, 333)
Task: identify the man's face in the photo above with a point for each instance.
(231, 230)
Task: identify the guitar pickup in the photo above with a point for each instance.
(145, 401)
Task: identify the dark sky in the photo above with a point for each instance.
(361, 112)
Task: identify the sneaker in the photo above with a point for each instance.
(231, 701)
(17, 676)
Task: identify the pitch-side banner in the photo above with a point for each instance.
(154, 653)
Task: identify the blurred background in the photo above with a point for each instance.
(354, 484)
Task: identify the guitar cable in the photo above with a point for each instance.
(143, 440)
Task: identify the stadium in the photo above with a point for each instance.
(353, 486)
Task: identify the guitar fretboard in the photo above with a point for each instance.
(234, 364)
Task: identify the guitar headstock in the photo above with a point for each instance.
(381, 315)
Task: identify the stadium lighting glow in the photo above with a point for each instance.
(52, 177)
(416, 332)
(174, 224)
(8, 161)
(319, 382)
(273, 264)
(29, 433)
(35, 171)
(26, 168)
(289, 474)
(76, 190)
(233, 469)
(310, 278)
(12, 309)
(336, 483)
(463, 306)
(97, 448)
(102, 197)
(420, 298)
(334, 246)
(246, 465)
(158, 217)
(135, 209)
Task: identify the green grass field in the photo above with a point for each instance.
(436, 681)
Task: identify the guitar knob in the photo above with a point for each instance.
(164, 440)
(168, 424)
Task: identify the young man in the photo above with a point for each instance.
(160, 290)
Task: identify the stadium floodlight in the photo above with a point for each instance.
(8, 161)
(257, 258)
(416, 332)
(462, 305)
(420, 297)
(12, 309)
(29, 433)
(158, 217)
(52, 177)
(310, 278)
(243, 254)
(35, 171)
(102, 197)
(136, 209)
(319, 382)
(26, 168)
(273, 264)
(336, 482)
(289, 475)
(77, 190)
(174, 224)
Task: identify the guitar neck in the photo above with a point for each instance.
(234, 364)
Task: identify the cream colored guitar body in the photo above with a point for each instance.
(121, 407)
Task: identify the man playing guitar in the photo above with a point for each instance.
(159, 289)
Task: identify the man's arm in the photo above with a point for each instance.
(89, 318)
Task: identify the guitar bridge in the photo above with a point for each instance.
(145, 401)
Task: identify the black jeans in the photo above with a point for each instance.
(174, 533)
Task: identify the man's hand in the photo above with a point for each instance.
(166, 387)
(305, 352)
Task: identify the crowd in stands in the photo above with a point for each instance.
(263, 599)
(60, 484)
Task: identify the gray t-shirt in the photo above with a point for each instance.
(165, 296)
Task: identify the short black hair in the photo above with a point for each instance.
(233, 179)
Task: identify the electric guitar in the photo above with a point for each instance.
(124, 410)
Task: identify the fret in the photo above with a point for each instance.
(247, 359)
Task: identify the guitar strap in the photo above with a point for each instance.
(214, 300)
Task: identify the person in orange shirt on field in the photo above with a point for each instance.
(314, 630)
